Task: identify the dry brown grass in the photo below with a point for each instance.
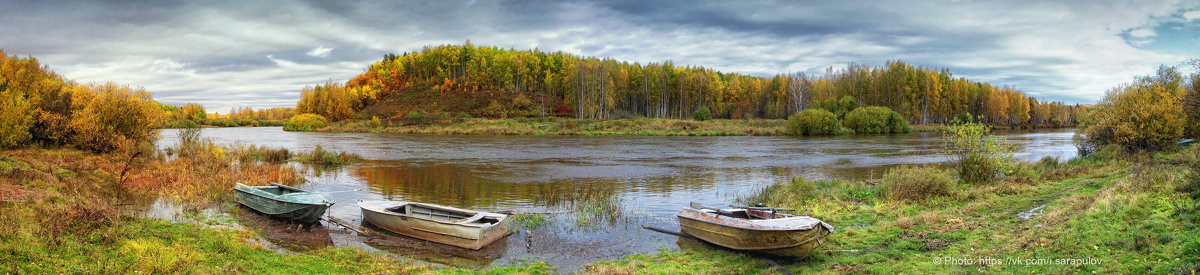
(915, 183)
(202, 179)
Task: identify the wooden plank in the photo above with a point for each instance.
(347, 225)
(777, 266)
(666, 231)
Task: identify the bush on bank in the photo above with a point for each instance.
(813, 122)
(305, 123)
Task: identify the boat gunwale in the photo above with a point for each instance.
(385, 211)
(235, 188)
(811, 227)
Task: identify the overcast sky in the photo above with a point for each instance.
(232, 53)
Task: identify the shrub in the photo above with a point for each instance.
(702, 114)
(813, 122)
(914, 183)
(413, 115)
(522, 106)
(963, 117)
(1144, 115)
(375, 122)
(845, 104)
(113, 116)
(875, 120)
(562, 110)
(898, 123)
(305, 123)
(493, 110)
(16, 117)
(974, 152)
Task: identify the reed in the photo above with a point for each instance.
(320, 156)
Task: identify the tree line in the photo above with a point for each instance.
(192, 115)
(37, 106)
(589, 87)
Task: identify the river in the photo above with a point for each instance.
(648, 178)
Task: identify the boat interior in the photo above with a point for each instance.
(745, 214)
(445, 215)
(276, 190)
(732, 213)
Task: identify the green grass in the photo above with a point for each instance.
(1131, 213)
(529, 220)
(1135, 215)
(144, 245)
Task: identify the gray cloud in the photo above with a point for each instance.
(250, 53)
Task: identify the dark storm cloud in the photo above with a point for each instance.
(254, 53)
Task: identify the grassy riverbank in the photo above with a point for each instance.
(567, 126)
(66, 212)
(69, 211)
(1108, 213)
(586, 127)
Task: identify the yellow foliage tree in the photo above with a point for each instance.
(16, 117)
(1144, 115)
(111, 116)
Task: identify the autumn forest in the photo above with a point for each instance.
(494, 82)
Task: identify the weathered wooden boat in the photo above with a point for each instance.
(284, 202)
(436, 223)
(756, 229)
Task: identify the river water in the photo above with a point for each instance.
(648, 178)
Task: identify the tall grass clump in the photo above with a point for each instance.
(802, 193)
(976, 154)
(320, 156)
(592, 206)
(917, 183)
(813, 122)
(1048, 163)
(259, 153)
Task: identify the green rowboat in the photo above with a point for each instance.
(284, 202)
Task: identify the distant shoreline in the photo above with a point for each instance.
(590, 127)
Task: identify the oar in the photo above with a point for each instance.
(697, 205)
(762, 208)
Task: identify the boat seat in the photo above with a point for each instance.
(471, 219)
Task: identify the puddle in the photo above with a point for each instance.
(208, 216)
(1029, 214)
